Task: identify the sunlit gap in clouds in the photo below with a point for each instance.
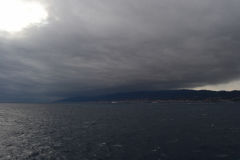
(17, 15)
(227, 86)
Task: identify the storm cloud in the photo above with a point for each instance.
(95, 47)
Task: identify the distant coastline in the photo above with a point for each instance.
(160, 96)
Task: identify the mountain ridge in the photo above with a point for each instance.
(162, 95)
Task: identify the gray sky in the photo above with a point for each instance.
(94, 47)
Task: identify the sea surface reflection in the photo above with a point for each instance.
(93, 131)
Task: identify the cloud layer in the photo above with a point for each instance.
(92, 47)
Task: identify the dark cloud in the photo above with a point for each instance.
(91, 47)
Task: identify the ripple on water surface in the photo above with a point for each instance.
(119, 131)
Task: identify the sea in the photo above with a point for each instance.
(120, 131)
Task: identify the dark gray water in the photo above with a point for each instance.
(120, 131)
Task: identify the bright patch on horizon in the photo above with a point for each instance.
(16, 15)
(230, 86)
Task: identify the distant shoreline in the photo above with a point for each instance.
(154, 102)
(161, 97)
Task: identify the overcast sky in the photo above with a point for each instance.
(103, 46)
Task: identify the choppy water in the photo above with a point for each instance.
(120, 131)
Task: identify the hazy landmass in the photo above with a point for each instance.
(161, 96)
